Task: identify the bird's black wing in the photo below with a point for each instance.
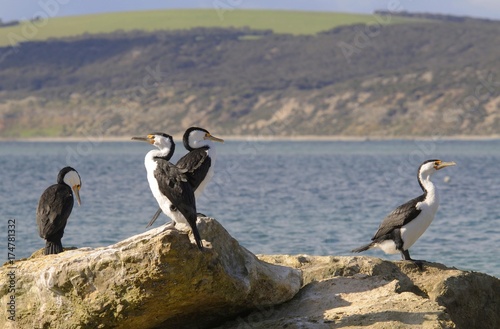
(196, 163)
(400, 216)
(53, 211)
(173, 183)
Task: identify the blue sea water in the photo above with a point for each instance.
(274, 197)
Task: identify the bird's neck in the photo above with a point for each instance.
(206, 145)
(149, 160)
(428, 187)
(201, 144)
(165, 153)
(211, 153)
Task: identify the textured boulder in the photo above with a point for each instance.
(365, 292)
(158, 279)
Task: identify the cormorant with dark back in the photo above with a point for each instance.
(54, 208)
(405, 224)
(169, 184)
(199, 162)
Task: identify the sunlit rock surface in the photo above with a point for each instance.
(365, 292)
(158, 279)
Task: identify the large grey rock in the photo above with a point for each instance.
(365, 292)
(158, 279)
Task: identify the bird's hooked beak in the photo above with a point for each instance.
(149, 138)
(76, 189)
(213, 138)
(442, 164)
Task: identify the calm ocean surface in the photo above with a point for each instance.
(321, 198)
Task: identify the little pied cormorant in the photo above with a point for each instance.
(199, 163)
(169, 184)
(405, 224)
(54, 208)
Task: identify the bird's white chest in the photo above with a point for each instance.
(151, 166)
(153, 183)
(414, 229)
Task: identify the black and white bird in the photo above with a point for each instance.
(199, 163)
(54, 208)
(169, 184)
(405, 224)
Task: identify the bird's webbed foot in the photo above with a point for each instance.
(419, 263)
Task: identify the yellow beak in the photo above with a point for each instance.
(76, 189)
(149, 138)
(445, 164)
(213, 138)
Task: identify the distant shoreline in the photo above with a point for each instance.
(263, 138)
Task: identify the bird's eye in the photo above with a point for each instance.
(173, 208)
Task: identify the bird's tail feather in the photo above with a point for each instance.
(191, 219)
(155, 217)
(53, 247)
(197, 237)
(363, 248)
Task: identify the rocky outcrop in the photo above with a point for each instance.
(365, 292)
(158, 279)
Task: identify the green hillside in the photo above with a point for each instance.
(294, 22)
(434, 76)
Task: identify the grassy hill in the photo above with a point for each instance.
(430, 78)
(294, 22)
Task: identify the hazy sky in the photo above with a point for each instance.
(27, 9)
